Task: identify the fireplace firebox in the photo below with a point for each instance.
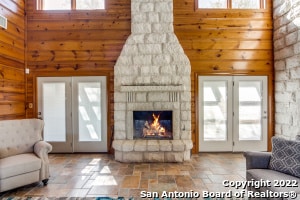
(152, 125)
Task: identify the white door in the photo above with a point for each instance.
(232, 113)
(74, 111)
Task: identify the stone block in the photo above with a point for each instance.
(133, 156)
(279, 65)
(164, 6)
(152, 145)
(188, 144)
(120, 125)
(141, 97)
(119, 115)
(284, 97)
(284, 53)
(119, 156)
(142, 60)
(185, 126)
(138, 18)
(123, 60)
(155, 38)
(166, 17)
(141, 28)
(165, 145)
(280, 33)
(158, 96)
(119, 106)
(119, 135)
(185, 115)
(187, 155)
(150, 49)
(162, 28)
(154, 157)
(177, 145)
(279, 43)
(293, 62)
(147, 7)
(140, 145)
(292, 86)
(130, 50)
(142, 80)
(174, 156)
(295, 73)
(185, 135)
(153, 17)
(128, 145)
(161, 80)
(135, 39)
(291, 38)
(117, 145)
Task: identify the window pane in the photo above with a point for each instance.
(250, 110)
(89, 4)
(56, 4)
(54, 103)
(215, 110)
(212, 3)
(89, 119)
(246, 4)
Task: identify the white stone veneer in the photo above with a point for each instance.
(152, 73)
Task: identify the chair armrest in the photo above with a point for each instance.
(257, 160)
(42, 148)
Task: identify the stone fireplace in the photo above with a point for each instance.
(152, 78)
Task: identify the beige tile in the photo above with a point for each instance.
(131, 182)
(97, 175)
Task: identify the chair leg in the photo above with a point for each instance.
(45, 181)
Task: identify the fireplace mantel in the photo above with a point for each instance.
(152, 88)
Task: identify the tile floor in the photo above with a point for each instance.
(97, 175)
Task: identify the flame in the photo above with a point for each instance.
(154, 128)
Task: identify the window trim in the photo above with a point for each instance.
(39, 6)
(263, 6)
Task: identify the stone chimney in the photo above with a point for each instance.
(152, 73)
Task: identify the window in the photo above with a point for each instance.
(231, 4)
(70, 4)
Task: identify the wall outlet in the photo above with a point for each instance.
(3, 22)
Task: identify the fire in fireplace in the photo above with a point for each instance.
(152, 125)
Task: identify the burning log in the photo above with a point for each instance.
(153, 129)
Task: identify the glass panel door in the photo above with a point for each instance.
(251, 113)
(214, 93)
(232, 113)
(89, 114)
(74, 112)
(54, 99)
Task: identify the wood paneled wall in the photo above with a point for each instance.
(225, 42)
(12, 60)
(76, 43)
(218, 42)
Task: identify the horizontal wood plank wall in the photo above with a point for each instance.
(225, 42)
(12, 60)
(76, 43)
(217, 42)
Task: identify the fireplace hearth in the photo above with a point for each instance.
(152, 125)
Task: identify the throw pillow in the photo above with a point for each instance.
(285, 156)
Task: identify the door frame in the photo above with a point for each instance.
(109, 104)
(270, 106)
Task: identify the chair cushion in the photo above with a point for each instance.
(285, 156)
(19, 164)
